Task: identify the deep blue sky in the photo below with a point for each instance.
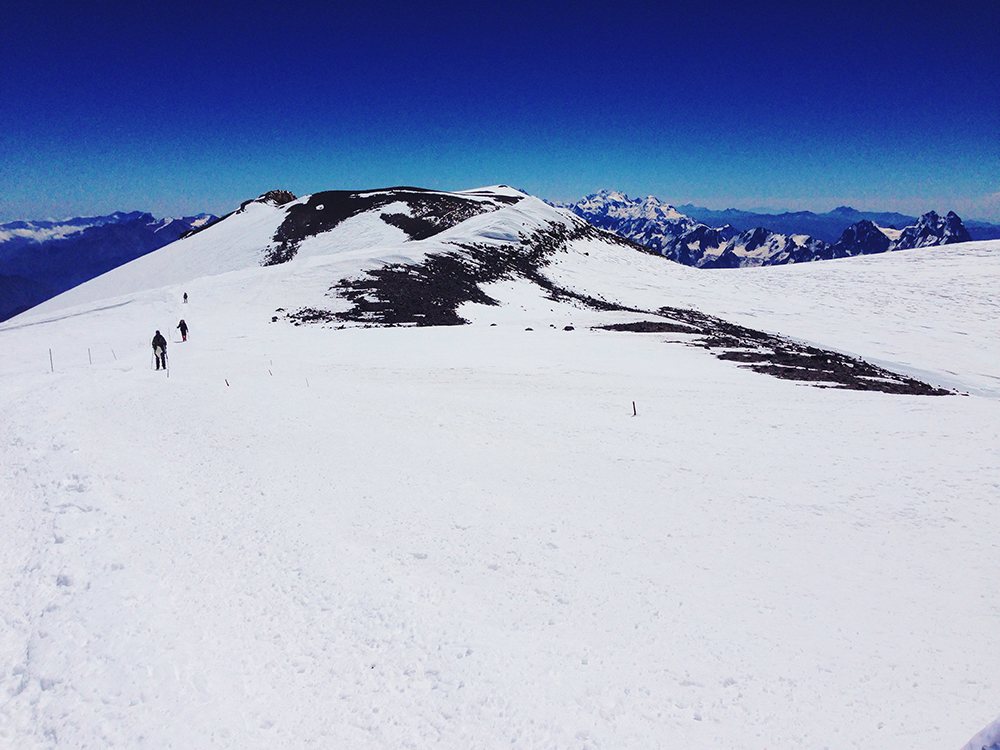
(177, 107)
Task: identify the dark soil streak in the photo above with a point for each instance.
(650, 326)
(786, 359)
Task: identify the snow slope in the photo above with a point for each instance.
(931, 312)
(40, 259)
(399, 537)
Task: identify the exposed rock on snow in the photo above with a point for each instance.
(861, 238)
(271, 198)
(780, 357)
(277, 197)
(428, 213)
(431, 291)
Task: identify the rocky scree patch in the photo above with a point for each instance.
(430, 213)
(429, 293)
(778, 356)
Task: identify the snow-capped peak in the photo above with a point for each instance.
(607, 207)
(664, 230)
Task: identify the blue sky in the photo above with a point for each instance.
(181, 107)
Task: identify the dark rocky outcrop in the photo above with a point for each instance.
(277, 197)
(430, 212)
(862, 238)
(931, 229)
(780, 357)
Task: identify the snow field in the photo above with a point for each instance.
(462, 536)
(930, 312)
(308, 537)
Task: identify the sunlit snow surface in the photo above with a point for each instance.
(462, 537)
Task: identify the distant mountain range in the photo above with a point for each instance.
(40, 259)
(827, 226)
(688, 240)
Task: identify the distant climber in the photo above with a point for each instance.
(185, 297)
(184, 329)
(160, 350)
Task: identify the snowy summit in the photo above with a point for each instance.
(463, 469)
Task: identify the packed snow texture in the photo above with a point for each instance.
(370, 537)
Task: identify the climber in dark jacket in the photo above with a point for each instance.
(160, 350)
(184, 329)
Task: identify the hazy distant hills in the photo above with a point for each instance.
(983, 230)
(827, 227)
(40, 259)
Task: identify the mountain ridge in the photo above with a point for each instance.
(690, 242)
(40, 259)
(399, 257)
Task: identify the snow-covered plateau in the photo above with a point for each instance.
(315, 530)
